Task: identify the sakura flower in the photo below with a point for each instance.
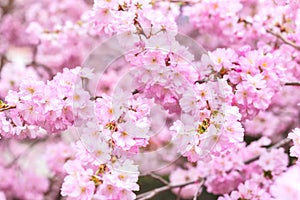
(295, 136)
(77, 189)
(250, 190)
(273, 164)
(188, 102)
(181, 176)
(56, 155)
(77, 183)
(286, 186)
(2, 196)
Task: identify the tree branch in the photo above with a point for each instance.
(283, 39)
(275, 146)
(152, 193)
(27, 150)
(178, 193)
(2, 62)
(4, 106)
(199, 190)
(293, 84)
(278, 35)
(7, 108)
(158, 178)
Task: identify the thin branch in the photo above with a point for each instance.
(35, 64)
(27, 150)
(7, 108)
(199, 190)
(280, 143)
(178, 193)
(283, 39)
(95, 98)
(278, 35)
(293, 84)
(4, 106)
(275, 146)
(158, 178)
(53, 189)
(152, 193)
(2, 62)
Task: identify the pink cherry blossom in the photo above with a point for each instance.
(285, 186)
(295, 136)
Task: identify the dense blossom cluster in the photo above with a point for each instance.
(222, 122)
(255, 75)
(37, 101)
(110, 17)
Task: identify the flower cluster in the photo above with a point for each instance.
(93, 179)
(39, 107)
(109, 17)
(253, 75)
(295, 136)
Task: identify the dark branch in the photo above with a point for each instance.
(293, 84)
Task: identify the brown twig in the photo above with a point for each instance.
(2, 62)
(283, 39)
(293, 84)
(7, 108)
(8, 7)
(53, 189)
(95, 98)
(4, 106)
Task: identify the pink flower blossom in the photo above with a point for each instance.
(295, 136)
(286, 186)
